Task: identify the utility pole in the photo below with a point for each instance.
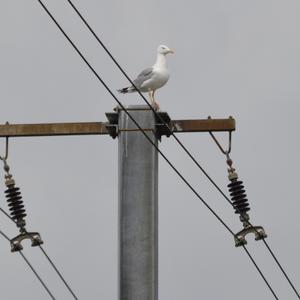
(138, 219)
(138, 185)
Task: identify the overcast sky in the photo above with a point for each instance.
(233, 57)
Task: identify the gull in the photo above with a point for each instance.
(152, 78)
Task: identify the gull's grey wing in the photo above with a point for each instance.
(143, 76)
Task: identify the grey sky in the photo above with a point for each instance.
(238, 58)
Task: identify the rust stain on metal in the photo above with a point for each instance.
(203, 125)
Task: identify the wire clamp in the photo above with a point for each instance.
(33, 236)
(240, 237)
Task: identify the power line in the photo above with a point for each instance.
(260, 272)
(4, 235)
(58, 272)
(281, 268)
(31, 267)
(134, 121)
(4, 212)
(175, 137)
(46, 255)
(37, 275)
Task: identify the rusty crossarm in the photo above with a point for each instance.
(203, 125)
(96, 128)
(49, 129)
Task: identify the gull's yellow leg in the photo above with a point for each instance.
(155, 104)
(150, 96)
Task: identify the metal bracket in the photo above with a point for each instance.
(33, 236)
(240, 237)
(160, 128)
(112, 125)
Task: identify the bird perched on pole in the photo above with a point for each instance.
(153, 78)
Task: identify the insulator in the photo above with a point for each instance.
(15, 204)
(240, 204)
(18, 214)
(238, 196)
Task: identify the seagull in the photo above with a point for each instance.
(152, 78)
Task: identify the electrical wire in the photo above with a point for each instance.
(175, 137)
(46, 255)
(31, 267)
(4, 235)
(58, 272)
(259, 271)
(37, 275)
(4, 212)
(138, 126)
(281, 268)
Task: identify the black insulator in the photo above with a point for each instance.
(15, 203)
(238, 196)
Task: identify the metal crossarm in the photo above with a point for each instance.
(99, 128)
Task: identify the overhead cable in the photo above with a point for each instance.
(58, 273)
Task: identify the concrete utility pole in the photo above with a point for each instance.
(138, 220)
(138, 185)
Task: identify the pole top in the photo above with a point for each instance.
(133, 107)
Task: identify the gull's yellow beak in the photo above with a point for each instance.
(171, 51)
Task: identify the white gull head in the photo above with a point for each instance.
(164, 50)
